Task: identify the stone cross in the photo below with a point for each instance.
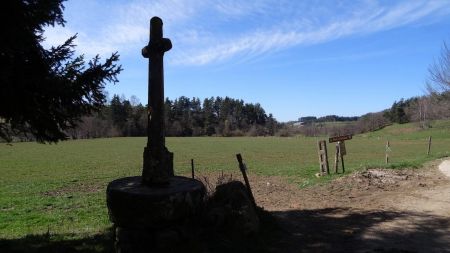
(158, 161)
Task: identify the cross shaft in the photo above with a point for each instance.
(158, 161)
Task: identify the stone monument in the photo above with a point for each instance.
(147, 210)
(158, 161)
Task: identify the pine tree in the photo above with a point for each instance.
(45, 92)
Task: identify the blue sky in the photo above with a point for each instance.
(295, 58)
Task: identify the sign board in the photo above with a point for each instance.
(340, 138)
(342, 148)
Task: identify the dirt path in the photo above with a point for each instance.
(372, 211)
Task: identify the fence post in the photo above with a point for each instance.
(387, 152)
(342, 156)
(336, 158)
(243, 170)
(192, 168)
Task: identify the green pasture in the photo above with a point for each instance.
(59, 189)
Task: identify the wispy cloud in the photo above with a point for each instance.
(239, 8)
(363, 21)
(125, 28)
(205, 33)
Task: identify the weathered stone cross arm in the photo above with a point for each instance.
(157, 45)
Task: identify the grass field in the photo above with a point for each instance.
(60, 189)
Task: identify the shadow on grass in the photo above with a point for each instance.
(318, 230)
(59, 243)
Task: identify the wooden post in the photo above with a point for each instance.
(429, 145)
(192, 168)
(387, 152)
(243, 169)
(336, 159)
(323, 157)
(326, 156)
(341, 154)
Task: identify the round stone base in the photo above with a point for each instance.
(134, 205)
(135, 240)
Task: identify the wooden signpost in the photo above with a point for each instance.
(340, 138)
(340, 150)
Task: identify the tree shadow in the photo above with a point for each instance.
(347, 230)
(101, 242)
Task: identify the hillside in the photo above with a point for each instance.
(438, 129)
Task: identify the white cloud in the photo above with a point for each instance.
(208, 32)
(125, 29)
(241, 8)
(406, 13)
(368, 20)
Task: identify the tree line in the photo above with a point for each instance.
(218, 116)
(215, 116)
(421, 110)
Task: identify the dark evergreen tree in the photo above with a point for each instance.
(271, 125)
(209, 116)
(44, 93)
(397, 112)
(139, 120)
(119, 111)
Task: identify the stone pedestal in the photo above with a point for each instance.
(148, 218)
